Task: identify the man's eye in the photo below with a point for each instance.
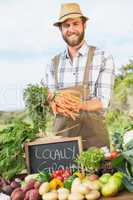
(65, 25)
(76, 24)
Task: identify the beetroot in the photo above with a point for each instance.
(32, 195)
(17, 194)
(37, 185)
(3, 182)
(29, 186)
(15, 184)
(7, 189)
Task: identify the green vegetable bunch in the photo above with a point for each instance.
(117, 141)
(35, 97)
(91, 159)
(124, 164)
(43, 177)
(12, 139)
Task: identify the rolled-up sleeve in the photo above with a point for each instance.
(49, 77)
(105, 80)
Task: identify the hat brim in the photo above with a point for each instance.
(70, 16)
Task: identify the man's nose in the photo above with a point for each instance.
(71, 29)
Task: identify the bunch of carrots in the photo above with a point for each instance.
(65, 103)
(68, 104)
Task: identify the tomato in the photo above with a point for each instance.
(109, 158)
(67, 173)
(56, 173)
(60, 178)
(114, 154)
(61, 174)
(63, 170)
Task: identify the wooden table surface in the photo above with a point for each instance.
(121, 196)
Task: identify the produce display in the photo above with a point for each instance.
(68, 184)
(100, 173)
(70, 187)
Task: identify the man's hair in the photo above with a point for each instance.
(82, 18)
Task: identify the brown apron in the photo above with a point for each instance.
(90, 126)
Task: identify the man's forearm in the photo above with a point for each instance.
(92, 105)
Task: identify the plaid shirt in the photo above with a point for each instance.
(101, 74)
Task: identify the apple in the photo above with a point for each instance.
(112, 187)
(118, 174)
(105, 178)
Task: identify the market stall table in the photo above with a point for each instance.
(121, 196)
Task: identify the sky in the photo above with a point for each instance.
(28, 39)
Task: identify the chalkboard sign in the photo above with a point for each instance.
(52, 154)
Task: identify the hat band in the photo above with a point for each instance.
(70, 14)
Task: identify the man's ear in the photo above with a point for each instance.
(84, 25)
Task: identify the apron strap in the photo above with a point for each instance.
(86, 88)
(55, 62)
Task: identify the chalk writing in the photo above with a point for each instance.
(52, 156)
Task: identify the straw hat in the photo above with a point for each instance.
(69, 11)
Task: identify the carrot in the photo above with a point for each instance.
(71, 101)
(65, 103)
(60, 110)
(71, 92)
(50, 96)
(53, 106)
(72, 97)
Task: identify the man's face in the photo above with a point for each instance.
(73, 31)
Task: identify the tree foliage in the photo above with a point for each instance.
(124, 83)
(118, 119)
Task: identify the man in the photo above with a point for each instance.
(83, 68)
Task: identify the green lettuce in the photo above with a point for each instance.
(124, 163)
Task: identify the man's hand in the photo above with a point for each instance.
(50, 96)
(93, 105)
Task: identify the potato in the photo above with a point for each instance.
(93, 195)
(93, 185)
(75, 196)
(75, 185)
(63, 193)
(83, 189)
(44, 188)
(50, 196)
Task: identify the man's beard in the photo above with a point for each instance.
(75, 41)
